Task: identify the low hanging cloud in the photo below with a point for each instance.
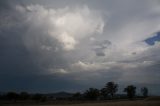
(95, 67)
(66, 25)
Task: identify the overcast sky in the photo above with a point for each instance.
(71, 45)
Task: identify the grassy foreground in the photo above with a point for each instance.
(123, 103)
(118, 103)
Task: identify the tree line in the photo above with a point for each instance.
(109, 91)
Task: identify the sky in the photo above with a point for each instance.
(71, 45)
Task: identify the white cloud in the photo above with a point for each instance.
(58, 71)
(66, 25)
(120, 46)
(81, 66)
(105, 66)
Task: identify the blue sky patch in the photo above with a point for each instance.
(152, 40)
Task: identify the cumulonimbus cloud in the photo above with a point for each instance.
(66, 25)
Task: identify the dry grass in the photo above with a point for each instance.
(123, 103)
(120, 103)
(154, 98)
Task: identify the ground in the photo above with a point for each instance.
(112, 103)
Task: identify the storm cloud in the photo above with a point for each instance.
(73, 45)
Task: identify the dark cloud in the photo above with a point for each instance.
(4, 4)
(100, 54)
(100, 47)
(97, 49)
(15, 58)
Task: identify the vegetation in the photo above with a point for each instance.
(92, 94)
(131, 91)
(144, 91)
(12, 96)
(24, 96)
(77, 96)
(111, 88)
(108, 92)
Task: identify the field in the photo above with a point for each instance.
(110, 103)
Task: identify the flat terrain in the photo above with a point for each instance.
(118, 103)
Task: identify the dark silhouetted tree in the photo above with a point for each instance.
(24, 96)
(144, 91)
(1, 96)
(92, 93)
(12, 96)
(37, 97)
(131, 91)
(104, 93)
(111, 88)
(77, 96)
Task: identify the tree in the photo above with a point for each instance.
(37, 97)
(1, 96)
(104, 92)
(24, 96)
(111, 88)
(77, 96)
(12, 96)
(131, 91)
(92, 93)
(144, 91)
